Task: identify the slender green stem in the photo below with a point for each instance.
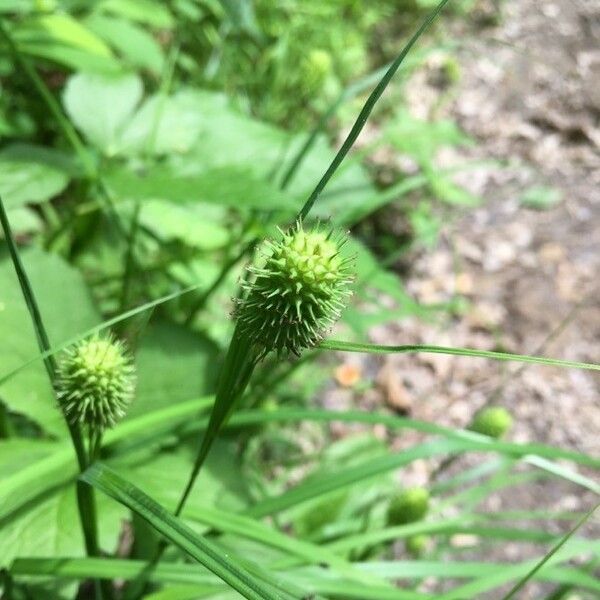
(6, 429)
(85, 494)
(129, 256)
(366, 111)
(225, 270)
(348, 93)
(234, 378)
(414, 348)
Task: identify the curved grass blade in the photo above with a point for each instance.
(218, 561)
(60, 467)
(366, 111)
(348, 93)
(73, 568)
(343, 346)
(474, 440)
(85, 498)
(50, 352)
(521, 584)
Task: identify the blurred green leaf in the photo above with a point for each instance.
(143, 11)
(167, 124)
(186, 223)
(232, 186)
(25, 179)
(173, 365)
(137, 47)
(541, 197)
(61, 38)
(100, 106)
(51, 523)
(67, 309)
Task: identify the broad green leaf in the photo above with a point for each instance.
(63, 29)
(190, 224)
(59, 466)
(136, 46)
(28, 180)
(221, 563)
(101, 106)
(62, 39)
(142, 11)
(23, 220)
(67, 309)
(166, 124)
(234, 186)
(50, 525)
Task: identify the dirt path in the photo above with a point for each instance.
(530, 96)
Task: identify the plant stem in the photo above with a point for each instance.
(235, 375)
(129, 257)
(68, 130)
(6, 428)
(85, 494)
(225, 270)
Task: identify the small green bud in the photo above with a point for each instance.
(416, 545)
(96, 382)
(315, 69)
(296, 293)
(494, 421)
(408, 506)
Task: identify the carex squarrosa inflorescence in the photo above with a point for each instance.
(296, 290)
(96, 382)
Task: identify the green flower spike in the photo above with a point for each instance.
(96, 382)
(296, 293)
(408, 506)
(494, 421)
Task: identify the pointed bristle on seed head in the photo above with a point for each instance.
(298, 291)
(96, 381)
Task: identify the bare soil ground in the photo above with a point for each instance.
(530, 96)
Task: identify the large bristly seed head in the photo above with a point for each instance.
(96, 381)
(297, 292)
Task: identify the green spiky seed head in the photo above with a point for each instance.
(494, 421)
(408, 506)
(416, 545)
(96, 381)
(296, 292)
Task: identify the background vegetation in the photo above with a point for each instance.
(146, 149)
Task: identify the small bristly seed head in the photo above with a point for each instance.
(96, 381)
(297, 292)
(494, 421)
(408, 506)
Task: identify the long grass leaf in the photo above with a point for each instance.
(101, 327)
(220, 562)
(532, 572)
(343, 346)
(366, 111)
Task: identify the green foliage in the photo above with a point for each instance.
(148, 151)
